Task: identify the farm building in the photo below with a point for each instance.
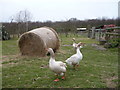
(107, 35)
(105, 28)
(36, 41)
(81, 29)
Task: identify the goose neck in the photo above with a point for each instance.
(52, 55)
(78, 50)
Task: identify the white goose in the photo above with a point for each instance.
(76, 58)
(75, 44)
(56, 66)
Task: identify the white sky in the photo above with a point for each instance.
(56, 10)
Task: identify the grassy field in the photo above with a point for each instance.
(98, 69)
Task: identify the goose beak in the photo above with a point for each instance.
(73, 38)
(83, 44)
(46, 49)
(80, 44)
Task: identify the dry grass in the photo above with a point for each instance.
(35, 42)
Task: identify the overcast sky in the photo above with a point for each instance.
(56, 10)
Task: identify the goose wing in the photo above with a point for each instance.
(73, 57)
(61, 63)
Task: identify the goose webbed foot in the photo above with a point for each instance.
(56, 80)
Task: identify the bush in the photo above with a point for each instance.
(112, 43)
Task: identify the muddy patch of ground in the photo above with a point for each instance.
(98, 47)
(111, 82)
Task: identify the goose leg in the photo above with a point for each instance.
(74, 66)
(63, 77)
(56, 80)
(77, 65)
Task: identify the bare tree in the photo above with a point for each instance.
(22, 18)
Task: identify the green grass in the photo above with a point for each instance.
(98, 69)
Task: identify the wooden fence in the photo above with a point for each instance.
(102, 35)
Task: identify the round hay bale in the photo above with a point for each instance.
(36, 41)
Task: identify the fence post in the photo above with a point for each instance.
(93, 33)
(89, 33)
(99, 34)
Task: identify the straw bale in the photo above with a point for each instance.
(36, 41)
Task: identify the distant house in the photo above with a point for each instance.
(106, 28)
(81, 29)
(109, 26)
